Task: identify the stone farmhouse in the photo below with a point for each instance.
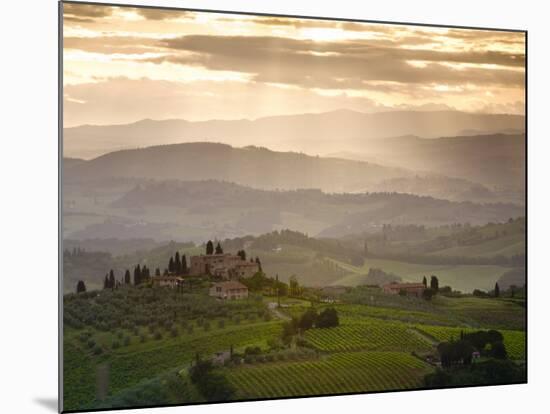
(170, 281)
(230, 289)
(410, 289)
(226, 266)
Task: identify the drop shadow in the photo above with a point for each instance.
(49, 403)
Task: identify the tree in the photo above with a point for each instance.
(428, 293)
(434, 283)
(112, 279)
(145, 274)
(293, 286)
(209, 247)
(127, 277)
(308, 319)
(219, 249)
(177, 264)
(184, 265)
(137, 275)
(80, 287)
(425, 282)
(498, 350)
(106, 282)
(328, 318)
(259, 264)
(497, 290)
(171, 267)
(157, 272)
(278, 290)
(242, 254)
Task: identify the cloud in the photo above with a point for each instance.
(110, 44)
(87, 12)
(163, 14)
(309, 63)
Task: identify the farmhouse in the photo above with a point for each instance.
(229, 290)
(410, 289)
(226, 266)
(170, 281)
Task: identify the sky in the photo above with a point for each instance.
(123, 64)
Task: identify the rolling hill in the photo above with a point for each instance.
(496, 161)
(198, 210)
(251, 166)
(320, 133)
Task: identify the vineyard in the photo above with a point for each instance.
(370, 335)
(345, 372)
(128, 368)
(513, 340)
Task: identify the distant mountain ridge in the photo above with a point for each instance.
(225, 209)
(320, 132)
(251, 166)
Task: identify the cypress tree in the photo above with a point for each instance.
(171, 265)
(209, 247)
(183, 265)
(80, 287)
(137, 275)
(219, 249)
(106, 282)
(111, 279)
(157, 272)
(434, 283)
(497, 290)
(127, 277)
(177, 264)
(425, 282)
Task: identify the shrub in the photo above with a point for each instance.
(174, 331)
(221, 324)
(328, 318)
(84, 336)
(91, 343)
(158, 336)
(127, 341)
(252, 350)
(115, 345)
(142, 338)
(97, 350)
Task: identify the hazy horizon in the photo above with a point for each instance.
(343, 109)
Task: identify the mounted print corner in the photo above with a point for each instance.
(259, 207)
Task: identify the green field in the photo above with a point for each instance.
(147, 338)
(138, 361)
(460, 277)
(513, 340)
(344, 372)
(372, 335)
(503, 246)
